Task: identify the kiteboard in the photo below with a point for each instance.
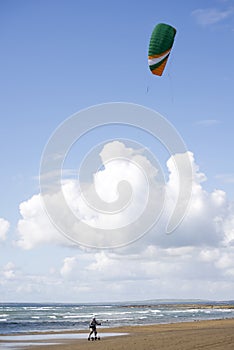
(94, 338)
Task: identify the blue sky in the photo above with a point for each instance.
(58, 57)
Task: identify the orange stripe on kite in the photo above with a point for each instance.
(159, 69)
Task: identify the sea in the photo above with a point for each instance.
(41, 317)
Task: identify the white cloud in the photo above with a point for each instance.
(228, 227)
(208, 221)
(209, 255)
(4, 227)
(8, 271)
(196, 260)
(159, 272)
(225, 261)
(70, 265)
(154, 272)
(35, 227)
(19, 285)
(118, 196)
(212, 15)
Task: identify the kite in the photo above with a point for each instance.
(160, 46)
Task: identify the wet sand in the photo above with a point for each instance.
(215, 335)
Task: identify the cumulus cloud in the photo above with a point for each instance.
(128, 188)
(8, 271)
(18, 284)
(70, 265)
(227, 226)
(197, 259)
(157, 271)
(4, 227)
(209, 221)
(212, 15)
(35, 227)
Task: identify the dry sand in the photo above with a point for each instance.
(215, 334)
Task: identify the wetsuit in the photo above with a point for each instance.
(93, 328)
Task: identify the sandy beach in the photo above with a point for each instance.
(215, 334)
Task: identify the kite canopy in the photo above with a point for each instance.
(161, 42)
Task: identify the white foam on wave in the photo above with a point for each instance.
(187, 311)
(223, 310)
(36, 308)
(68, 314)
(116, 313)
(120, 319)
(156, 311)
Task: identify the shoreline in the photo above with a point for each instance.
(216, 334)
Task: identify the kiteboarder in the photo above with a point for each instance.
(92, 326)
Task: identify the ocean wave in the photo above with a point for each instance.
(41, 308)
(155, 311)
(27, 318)
(223, 310)
(178, 311)
(116, 313)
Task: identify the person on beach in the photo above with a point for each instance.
(93, 327)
